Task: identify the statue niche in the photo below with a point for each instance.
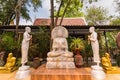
(60, 57)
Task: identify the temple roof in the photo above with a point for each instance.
(66, 21)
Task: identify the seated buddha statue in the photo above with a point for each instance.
(106, 63)
(107, 66)
(10, 61)
(9, 64)
(60, 57)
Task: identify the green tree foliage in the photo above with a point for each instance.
(73, 9)
(96, 15)
(40, 44)
(7, 9)
(111, 38)
(115, 21)
(68, 8)
(110, 42)
(118, 6)
(8, 44)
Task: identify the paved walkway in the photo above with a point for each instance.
(11, 76)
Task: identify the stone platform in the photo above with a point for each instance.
(43, 73)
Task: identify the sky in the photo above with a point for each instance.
(44, 12)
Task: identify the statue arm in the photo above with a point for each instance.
(94, 38)
(65, 45)
(13, 61)
(105, 62)
(10, 62)
(27, 37)
(54, 45)
(52, 54)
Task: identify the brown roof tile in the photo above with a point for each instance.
(66, 21)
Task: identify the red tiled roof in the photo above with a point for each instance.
(66, 21)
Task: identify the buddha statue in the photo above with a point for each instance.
(106, 63)
(10, 61)
(9, 64)
(107, 66)
(60, 57)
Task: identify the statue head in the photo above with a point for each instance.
(28, 29)
(10, 55)
(59, 31)
(107, 55)
(91, 29)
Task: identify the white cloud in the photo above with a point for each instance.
(46, 4)
(44, 12)
(41, 13)
(23, 22)
(107, 4)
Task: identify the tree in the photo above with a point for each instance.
(118, 6)
(68, 8)
(96, 15)
(73, 9)
(115, 21)
(7, 9)
(40, 43)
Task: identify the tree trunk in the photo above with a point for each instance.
(18, 11)
(52, 20)
(106, 42)
(17, 24)
(58, 12)
(65, 11)
(52, 14)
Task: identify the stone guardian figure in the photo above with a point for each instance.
(94, 44)
(96, 70)
(24, 70)
(25, 45)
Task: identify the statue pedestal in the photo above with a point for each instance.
(97, 73)
(23, 72)
(60, 65)
(5, 70)
(60, 62)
